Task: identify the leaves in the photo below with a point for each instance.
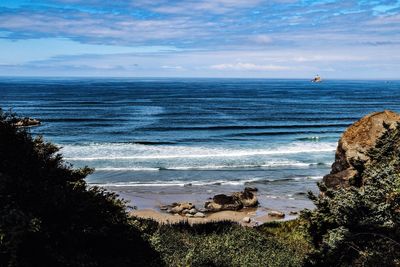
(51, 217)
(360, 224)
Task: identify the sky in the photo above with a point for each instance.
(201, 38)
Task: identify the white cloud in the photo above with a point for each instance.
(190, 7)
(168, 67)
(261, 39)
(248, 67)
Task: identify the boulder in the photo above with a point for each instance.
(164, 207)
(248, 197)
(199, 215)
(223, 202)
(353, 145)
(246, 220)
(192, 211)
(27, 122)
(179, 207)
(236, 201)
(185, 211)
(252, 189)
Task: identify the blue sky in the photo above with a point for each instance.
(200, 38)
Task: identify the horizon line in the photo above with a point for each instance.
(193, 77)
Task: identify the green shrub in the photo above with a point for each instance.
(360, 225)
(50, 217)
(228, 244)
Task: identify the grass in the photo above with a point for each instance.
(227, 243)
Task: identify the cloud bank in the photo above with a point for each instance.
(222, 38)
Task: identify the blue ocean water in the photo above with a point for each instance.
(165, 136)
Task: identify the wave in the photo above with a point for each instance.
(124, 151)
(281, 133)
(126, 169)
(176, 183)
(152, 143)
(312, 138)
(180, 183)
(246, 127)
(80, 120)
(285, 180)
(288, 164)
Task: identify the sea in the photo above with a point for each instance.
(154, 141)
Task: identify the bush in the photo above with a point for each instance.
(228, 244)
(360, 225)
(50, 217)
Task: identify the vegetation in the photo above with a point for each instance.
(228, 244)
(359, 226)
(50, 217)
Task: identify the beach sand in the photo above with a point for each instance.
(258, 216)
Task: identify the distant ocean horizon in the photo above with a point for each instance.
(196, 137)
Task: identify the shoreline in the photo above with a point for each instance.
(257, 216)
(147, 205)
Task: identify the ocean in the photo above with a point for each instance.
(160, 140)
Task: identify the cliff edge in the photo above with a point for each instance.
(354, 143)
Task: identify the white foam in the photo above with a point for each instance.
(176, 183)
(126, 169)
(315, 177)
(118, 151)
(273, 164)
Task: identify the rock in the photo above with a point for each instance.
(192, 211)
(251, 189)
(293, 213)
(236, 201)
(189, 215)
(199, 215)
(246, 220)
(354, 143)
(26, 122)
(223, 202)
(276, 214)
(203, 210)
(179, 207)
(164, 207)
(248, 197)
(185, 211)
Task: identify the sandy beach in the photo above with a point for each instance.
(147, 205)
(257, 215)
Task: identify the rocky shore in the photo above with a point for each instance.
(26, 122)
(242, 207)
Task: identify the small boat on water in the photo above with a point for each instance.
(317, 79)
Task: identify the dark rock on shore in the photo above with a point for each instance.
(26, 122)
(354, 143)
(223, 202)
(236, 201)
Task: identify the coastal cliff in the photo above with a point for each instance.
(354, 144)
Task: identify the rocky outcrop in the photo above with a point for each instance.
(186, 209)
(26, 122)
(236, 201)
(354, 143)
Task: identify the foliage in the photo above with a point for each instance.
(50, 217)
(228, 244)
(360, 225)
